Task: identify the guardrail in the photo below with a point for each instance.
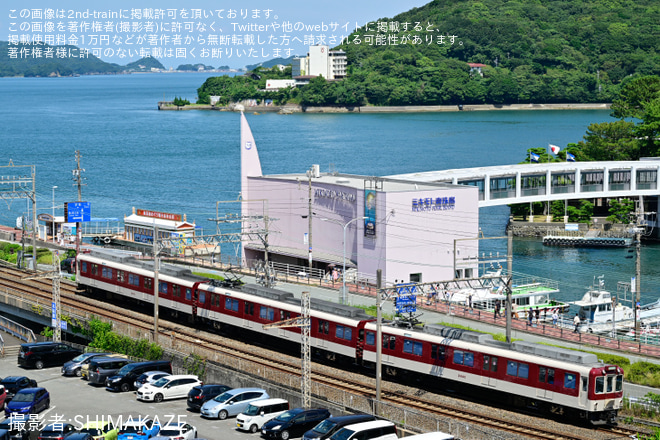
(15, 329)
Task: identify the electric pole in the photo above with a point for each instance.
(309, 224)
(509, 267)
(78, 178)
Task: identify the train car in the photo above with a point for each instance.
(554, 380)
(551, 379)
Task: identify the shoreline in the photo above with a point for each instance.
(288, 109)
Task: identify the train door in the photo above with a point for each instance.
(584, 392)
(489, 371)
(248, 314)
(323, 332)
(546, 381)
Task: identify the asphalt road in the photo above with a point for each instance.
(75, 401)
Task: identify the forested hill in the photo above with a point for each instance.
(536, 51)
(45, 60)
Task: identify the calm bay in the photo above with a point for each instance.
(183, 162)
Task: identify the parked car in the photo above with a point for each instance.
(14, 383)
(259, 412)
(329, 426)
(28, 401)
(44, 354)
(138, 428)
(177, 431)
(293, 423)
(232, 402)
(84, 371)
(102, 368)
(200, 394)
(68, 265)
(57, 431)
(74, 366)
(149, 377)
(19, 427)
(81, 436)
(168, 387)
(3, 396)
(100, 430)
(125, 378)
(377, 430)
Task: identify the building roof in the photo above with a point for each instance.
(477, 65)
(358, 182)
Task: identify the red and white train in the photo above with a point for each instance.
(552, 379)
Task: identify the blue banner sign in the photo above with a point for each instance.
(75, 212)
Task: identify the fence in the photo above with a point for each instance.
(14, 328)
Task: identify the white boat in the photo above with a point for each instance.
(596, 306)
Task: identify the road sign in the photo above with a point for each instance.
(405, 303)
(75, 212)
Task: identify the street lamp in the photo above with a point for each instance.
(54, 188)
(343, 274)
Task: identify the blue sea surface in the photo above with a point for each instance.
(186, 161)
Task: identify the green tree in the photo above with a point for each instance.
(620, 210)
(586, 211)
(634, 95)
(610, 141)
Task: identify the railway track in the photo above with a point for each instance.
(70, 297)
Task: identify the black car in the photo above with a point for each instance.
(200, 394)
(57, 431)
(293, 423)
(20, 427)
(68, 265)
(14, 383)
(125, 378)
(329, 426)
(43, 354)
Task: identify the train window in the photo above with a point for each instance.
(458, 357)
(324, 327)
(493, 363)
(188, 294)
(600, 385)
(266, 313)
(133, 279)
(284, 315)
(343, 332)
(584, 384)
(248, 308)
(162, 288)
(176, 290)
(215, 300)
(83, 268)
(230, 304)
(120, 276)
(468, 360)
(437, 352)
(547, 375)
(569, 381)
(371, 338)
(202, 297)
(619, 382)
(106, 272)
(610, 384)
(486, 365)
(95, 269)
(389, 342)
(412, 347)
(148, 283)
(517, 369)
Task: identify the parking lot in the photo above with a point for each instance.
(75, 401)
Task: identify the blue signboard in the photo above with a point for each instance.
(406, 300)
(75, 212)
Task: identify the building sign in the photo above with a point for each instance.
(77, 212)
(406, 300)
(334, 194)
(571, 227)
(433, 204)
(370, 213)
(159, 215)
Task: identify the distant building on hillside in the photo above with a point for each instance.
(321, 61)
(476, 67)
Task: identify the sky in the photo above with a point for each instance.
(217, 33)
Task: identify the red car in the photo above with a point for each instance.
(3, 396)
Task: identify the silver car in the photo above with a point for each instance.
(74, 366)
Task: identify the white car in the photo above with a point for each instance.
(168, 387)
(177, 431)
(148, 377)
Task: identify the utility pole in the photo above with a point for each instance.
(309, 223)
(78, 178)
(156, 290)
(379, 334)
(509, 268)
(638, 265)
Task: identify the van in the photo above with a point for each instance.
(102, 368)
(125, 378)
(378, 430)
(329, 426)
(84, 370)
(259, 412)
(232, 402)
(431, 436)
(44, 354)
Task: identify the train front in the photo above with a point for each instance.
(605, 393)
